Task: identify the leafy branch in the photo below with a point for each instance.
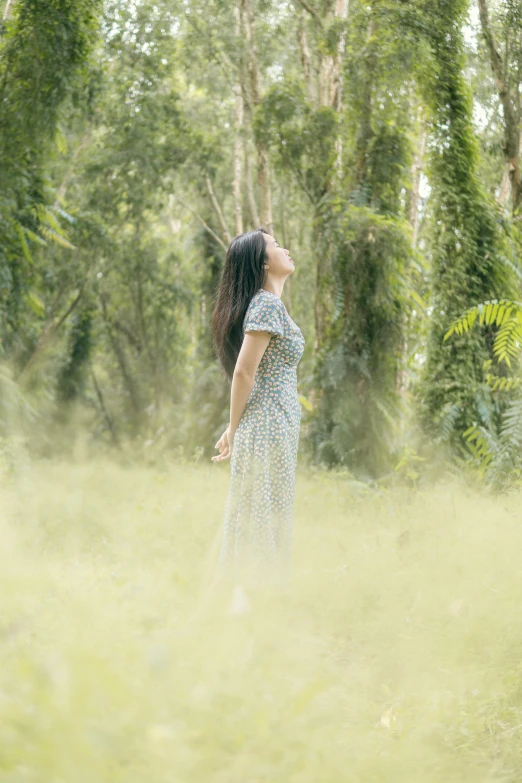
(506, 314)
(497, 451)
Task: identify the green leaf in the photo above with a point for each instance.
(59, 239)
(35, 303)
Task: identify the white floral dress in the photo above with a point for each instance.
(257, 533)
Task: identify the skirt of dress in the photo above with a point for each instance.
(258, 528)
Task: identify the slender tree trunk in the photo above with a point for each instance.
(264, 188)
(325, 73)
(263, 161)
(330, 94)
(251, 196)
(413, 207)
(8, 9)
(510, 104)
(126, 374)
(365, 126)
(238, 134)
(238, 201)
(403, 377)
(505, 187)
(341, 12)
(150, 355)
(244, 82)
(217, 208)
(330, 70)
(106, 415)
(198, 216)
(304, 51)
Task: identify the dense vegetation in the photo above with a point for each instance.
(378, 140)
(396, 655)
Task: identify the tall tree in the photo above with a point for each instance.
(254, 100)
(361, 239)
(369, 240)
(506, 66)
(467, 244)
(44, 50)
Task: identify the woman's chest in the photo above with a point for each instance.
(289, 348)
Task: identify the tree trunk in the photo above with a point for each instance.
(505, 187)
(106, 415)
(251, 196)
(8, 10)
(263, 162)
(238, 205)
(126, 374)
(330, 95)
(341, 11)
(413, 207)
(365, 126)
(467, 267)
(305, 55)
(510, 105)
(238, 133)
(217, 208)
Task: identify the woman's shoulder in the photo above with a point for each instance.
(266, 312)
(270, 303)
(269, 297)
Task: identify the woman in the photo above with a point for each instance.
(259, 347)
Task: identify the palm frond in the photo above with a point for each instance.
(511, 429)
(502, 383)
(494, 311)
(57, 237)
(508, 340)
(449, 418)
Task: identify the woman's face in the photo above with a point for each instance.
(279, 261)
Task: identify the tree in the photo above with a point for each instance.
(507, 71)
(43, 55)
(467, 243)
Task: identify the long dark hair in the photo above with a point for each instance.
(242, 275)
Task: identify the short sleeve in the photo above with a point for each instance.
(265, 313)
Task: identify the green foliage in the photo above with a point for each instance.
(72, 375)
(302, 135)
(117, 188)
(467, 243)
(361, 242)
(506, 315)
(43, 52)
(497, 451)
(357, 373)
(379, 97)
(496, 442)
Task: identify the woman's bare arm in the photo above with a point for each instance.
(252, 350)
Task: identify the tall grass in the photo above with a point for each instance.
(395, 656)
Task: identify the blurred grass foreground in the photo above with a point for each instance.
(395, 656)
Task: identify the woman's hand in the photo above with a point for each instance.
(224, 445)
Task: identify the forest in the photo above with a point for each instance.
(379, 141)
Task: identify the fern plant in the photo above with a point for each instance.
(497, 450)
(506, 314)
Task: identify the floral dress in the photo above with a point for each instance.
(257, 534)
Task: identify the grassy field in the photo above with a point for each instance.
(396, 655)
